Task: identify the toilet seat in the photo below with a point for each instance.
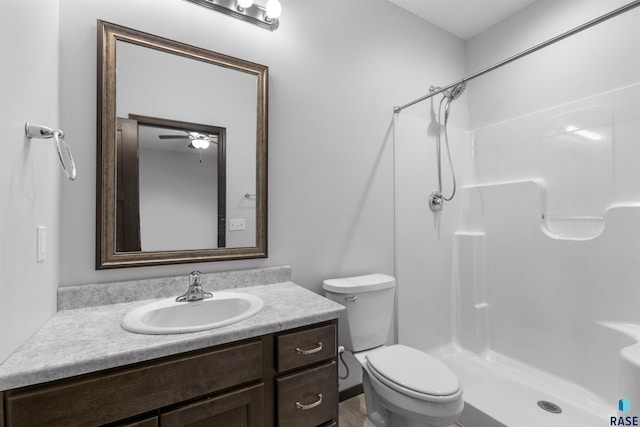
(414, 373)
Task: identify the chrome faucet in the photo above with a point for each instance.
(195, 291)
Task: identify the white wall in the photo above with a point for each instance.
(598, 59)
(30, 176)
(336, 70)
(181, 221)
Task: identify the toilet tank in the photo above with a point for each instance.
(369, 303)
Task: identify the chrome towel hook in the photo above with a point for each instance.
(39, 131)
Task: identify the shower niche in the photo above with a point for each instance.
(577, 160)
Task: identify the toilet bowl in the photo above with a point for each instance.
(403, 387)
(409, 388)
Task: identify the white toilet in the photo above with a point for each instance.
(403, 387)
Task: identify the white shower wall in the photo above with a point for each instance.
(424, 241)
(499, 279)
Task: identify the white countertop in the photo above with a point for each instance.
(84, 340)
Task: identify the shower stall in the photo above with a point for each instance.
(527, 283)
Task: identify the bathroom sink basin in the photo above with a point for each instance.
(170, 317)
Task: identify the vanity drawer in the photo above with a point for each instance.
(121, 393)
(306, 347)
(308, 398)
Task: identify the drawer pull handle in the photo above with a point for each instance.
(310, 405)
(310, 351)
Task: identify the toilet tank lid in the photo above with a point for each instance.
(357, 284)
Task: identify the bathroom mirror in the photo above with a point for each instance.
(162, 197)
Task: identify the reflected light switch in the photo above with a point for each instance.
(236, 224)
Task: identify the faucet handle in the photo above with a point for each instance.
(194, 278)
(194, 282)
(195, 291)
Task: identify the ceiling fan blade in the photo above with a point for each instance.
(173, 136)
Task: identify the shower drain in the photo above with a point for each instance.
(549, 407)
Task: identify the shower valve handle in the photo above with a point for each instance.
(436, 201)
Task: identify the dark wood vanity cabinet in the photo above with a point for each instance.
(283, 379)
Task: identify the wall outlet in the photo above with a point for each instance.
(236, 224)
(41, 243)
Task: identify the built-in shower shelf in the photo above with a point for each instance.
(573, 227)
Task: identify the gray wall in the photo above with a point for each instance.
(336, 70)
(29, 171)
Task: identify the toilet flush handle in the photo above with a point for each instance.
(353, 298)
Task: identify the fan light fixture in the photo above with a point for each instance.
(198, 140)
(246, 10)
(201, 144)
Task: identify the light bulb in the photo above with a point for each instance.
(273, 9)
(202, 144)
(243, 4)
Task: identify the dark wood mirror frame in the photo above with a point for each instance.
(107, 255)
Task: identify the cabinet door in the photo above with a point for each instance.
(240, 408)
(308, 398)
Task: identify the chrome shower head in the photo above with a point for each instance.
(455, 92)
(451, 95)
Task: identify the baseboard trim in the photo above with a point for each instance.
(350, 392)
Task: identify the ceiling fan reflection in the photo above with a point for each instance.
(196, 140)
(199, 141)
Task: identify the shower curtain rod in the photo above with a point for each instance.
(535, 48)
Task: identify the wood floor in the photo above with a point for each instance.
(353, 412)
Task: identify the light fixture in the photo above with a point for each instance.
(201, 144)
(246, 10)
(243, 4)
(273, 10)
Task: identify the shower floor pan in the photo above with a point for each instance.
(500, 392)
